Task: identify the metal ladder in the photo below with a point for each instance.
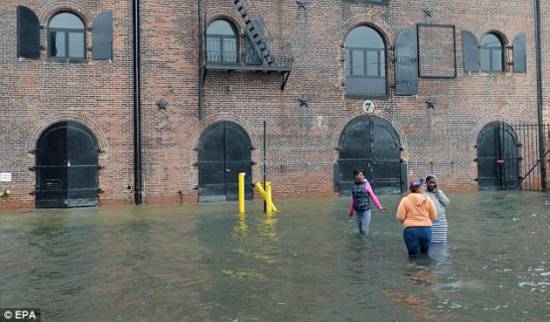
(254, 33)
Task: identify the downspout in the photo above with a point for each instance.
(201, 53)
(137, 102)
(538, 44)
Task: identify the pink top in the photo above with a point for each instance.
(368, 188)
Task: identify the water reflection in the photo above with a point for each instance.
(240, 229)
(421, 273)
(440, 252)
(206, 263)
(407, 302)
(56, 266)
(268, 227)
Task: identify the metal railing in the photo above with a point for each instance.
(530, 165)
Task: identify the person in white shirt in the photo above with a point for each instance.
(439, 226)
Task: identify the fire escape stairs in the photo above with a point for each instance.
(254, 33)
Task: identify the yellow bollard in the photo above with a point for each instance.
(268, 199)
(241, 192)
(263, 195)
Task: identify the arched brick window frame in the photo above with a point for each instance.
(378, 72)
(492, 53)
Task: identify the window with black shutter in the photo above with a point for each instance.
(66, 37)
(365, 63)
(102, 36)
(28, 33)
(470, 48)
(491, 54)
(406, 57)
(519, 54)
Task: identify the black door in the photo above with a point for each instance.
(224, 151)
(66, 167)
(370, 143)
(497, 157)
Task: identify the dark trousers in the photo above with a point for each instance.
(417, 240)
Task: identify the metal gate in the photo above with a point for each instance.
(530, 166)
(224, 151)
(497, 157)
(371, 143)
(67, 167)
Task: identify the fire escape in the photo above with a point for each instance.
(254, 57)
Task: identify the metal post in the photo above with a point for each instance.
(263, 194)
(268, 199)
(265, 166)
(241, 192)
(137, 104)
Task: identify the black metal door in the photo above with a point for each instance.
(67, 167)
(497, 157)
(370, 143)
(224, 151)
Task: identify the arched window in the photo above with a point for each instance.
(221, 42)
(365, 62)
(491, 54)
(66, 36)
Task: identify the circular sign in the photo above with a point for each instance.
(368, 107)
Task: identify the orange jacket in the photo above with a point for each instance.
(416, 210)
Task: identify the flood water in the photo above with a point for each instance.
(307, 263)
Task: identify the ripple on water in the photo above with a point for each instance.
(206, 263)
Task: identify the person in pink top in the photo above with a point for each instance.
(360, 203)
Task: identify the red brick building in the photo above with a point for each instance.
(400, 88)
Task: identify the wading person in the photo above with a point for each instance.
(440, 200)
(360, 203)
(416, 212)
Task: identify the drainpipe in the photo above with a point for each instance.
(137, 102)
(538, 44)
(201, 58)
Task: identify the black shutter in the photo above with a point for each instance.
(406, 56)
(470, 49)
(28, 33)
(102, 38)
(520, 61)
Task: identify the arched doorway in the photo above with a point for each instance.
(372, 144)
(497, 157)
(224, 151)
(67, 171)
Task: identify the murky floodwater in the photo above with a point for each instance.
(206, 263)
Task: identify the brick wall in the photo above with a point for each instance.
(302, 140)
(38, 93)
(301, 151)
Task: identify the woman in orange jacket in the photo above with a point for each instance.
(416, 212)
